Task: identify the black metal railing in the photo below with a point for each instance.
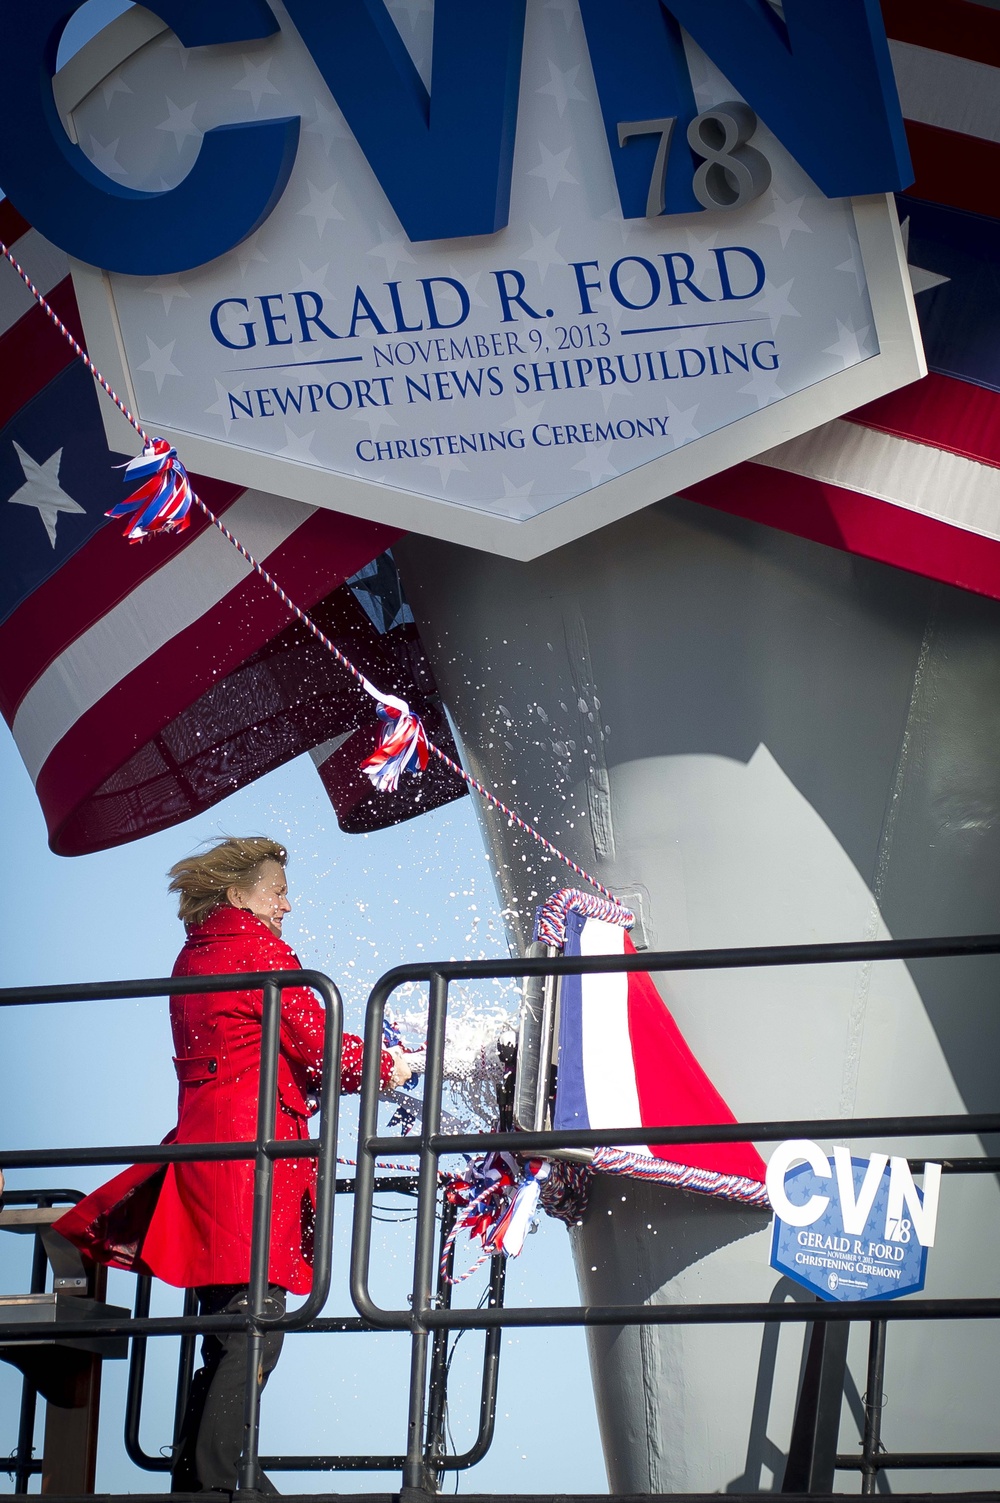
(264, 1150)
(424, 1317)
(430, 1317)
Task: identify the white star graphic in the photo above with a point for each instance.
(512, 491)
(112, 86)
(315, 281)
(920, 280)
(850, 346)
(562, 87)
(414, 9)
(105, 158)
(328, 124)
(298, 445)
(471, 286)
(543, 251)
(525, 414)
(42, 490)
(786, 218)
(552, 168)
(160, 365)
(391, 249)
(764, 387)
(320, 206)
(446, 464)
(597, 464)
(169, 288)
(249, 252)
(681, 426)
(564, 8)
(221, 407)
(777, 304)
(255, 80)
(377, 418)
(854, 266)
(180, 123)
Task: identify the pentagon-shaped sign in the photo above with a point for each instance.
(881, 1261)
(518, 387)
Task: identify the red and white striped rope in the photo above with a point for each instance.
(300, 615)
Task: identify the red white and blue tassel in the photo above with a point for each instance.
(402, 745)
(164, 499)
(500, 1204)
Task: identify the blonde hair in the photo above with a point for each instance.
(202, 882)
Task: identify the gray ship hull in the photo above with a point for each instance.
(757, 740)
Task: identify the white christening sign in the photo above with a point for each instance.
(510, 390)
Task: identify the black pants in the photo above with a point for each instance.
(211, 1438)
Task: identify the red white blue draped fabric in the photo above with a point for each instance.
(623, 1062)
(914, 478)
(143, 684)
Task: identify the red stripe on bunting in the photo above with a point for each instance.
(940, 411)
(855, 523)
(89, 584)
(954, 26)
(12, 224)
(33, 352)
(673, 1089)
(327, 549)
(959, 171)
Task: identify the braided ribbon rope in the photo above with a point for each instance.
(397, 709)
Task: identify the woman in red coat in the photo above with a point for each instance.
(189, 1224)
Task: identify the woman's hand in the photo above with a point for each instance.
(402, 1070)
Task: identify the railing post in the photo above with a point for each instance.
(260, 1236)
(871, 1442)
(415, 1476)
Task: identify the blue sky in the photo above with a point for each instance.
(102, 1073)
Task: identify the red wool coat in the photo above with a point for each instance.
(189, 1224)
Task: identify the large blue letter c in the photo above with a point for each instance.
(240, 173)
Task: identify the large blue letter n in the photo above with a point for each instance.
(443, 159)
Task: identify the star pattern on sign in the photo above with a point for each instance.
(777, 303)
(446, 465)
(329, 124)
(786, 218)
(41, 489)
(526, 415)
(221, 407)
(850, 346)
(543, 251)
(391, 249)
(320, 206)
(255, 80)
(920, 280)
(112, 86)
(315, 281)
(160, 364)
(566, 9)
(298, 445)
(105, 158)
(853, 266)
(514, 494)
(180, 123)
(248, 253)
(169, 288)
(681, 426)
(376, 418)
(764, 387)
(562, 87)
(552, 168)
(597, 464)
(414, 10)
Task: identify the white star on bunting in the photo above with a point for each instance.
(41, 489)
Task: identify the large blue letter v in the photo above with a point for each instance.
(444, 159)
